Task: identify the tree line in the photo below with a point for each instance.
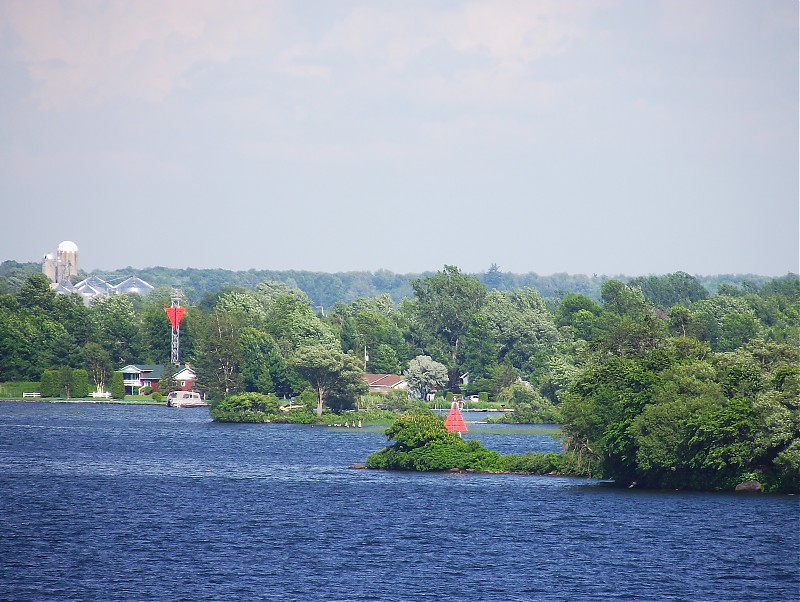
(326, 289)
(656, 381)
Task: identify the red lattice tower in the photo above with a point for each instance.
(175, 313)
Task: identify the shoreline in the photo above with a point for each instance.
(89, 401)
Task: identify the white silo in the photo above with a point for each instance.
(49, 267)
(67, 264)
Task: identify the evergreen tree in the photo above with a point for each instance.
(118, 386)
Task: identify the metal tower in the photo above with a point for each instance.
(175, 313)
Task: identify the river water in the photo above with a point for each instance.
(102, 502)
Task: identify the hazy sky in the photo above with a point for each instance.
(598, 136)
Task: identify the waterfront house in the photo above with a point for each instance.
(137, 376)
(185, 378)
(383, 383)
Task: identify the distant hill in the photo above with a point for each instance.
(326, 289)
(13, 274)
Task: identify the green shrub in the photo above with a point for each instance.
(145, 390)
(483, 396)
(80, 383)
(246, 407)
(308, 398)
(49, 385)
(117, 386)
(156, 396)
(422, 443)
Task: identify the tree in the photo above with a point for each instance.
(258, 351)
(330, 372)
(737, 329)
(80, 383)
(119, 328)
(480, 351)
(65, 380)
(571, 305)
(293, 325)
(118, 386)
(529, 405)
(247, 304)
(424, 375)
(493, 277)
(443, 310)
(383, 360)
(36, 294)
(269, 289)
(521, 327)
(48, 385)
(98, 365)
(246, 407)
(672, 289)
(219, 356)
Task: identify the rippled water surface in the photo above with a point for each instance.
(148, 503)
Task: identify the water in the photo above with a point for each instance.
(149, 503)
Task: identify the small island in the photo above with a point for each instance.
(421, 442)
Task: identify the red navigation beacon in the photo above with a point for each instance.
(455, 421)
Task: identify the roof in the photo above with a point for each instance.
(149, 371)
(133, 284)
(389, 381)
(93, 283)
(68, 246)
(64, 288)
(185, 374)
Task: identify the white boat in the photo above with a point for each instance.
(185, 399)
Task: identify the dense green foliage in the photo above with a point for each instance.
(202, 286)
(662, 380)
(65, 382)
(258, 408)
(117, 386)
(692, 400)
(246, 407)
(421, 442)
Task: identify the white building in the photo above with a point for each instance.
(63, 265)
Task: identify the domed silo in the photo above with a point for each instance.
(67, 265)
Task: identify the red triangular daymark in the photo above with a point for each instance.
(175, 315)
(455, 421)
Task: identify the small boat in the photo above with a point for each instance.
(185, 399)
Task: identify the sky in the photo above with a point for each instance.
(589, 137)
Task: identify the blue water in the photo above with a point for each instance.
(148, 503)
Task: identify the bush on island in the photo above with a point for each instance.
(421, 442)
(246, 407)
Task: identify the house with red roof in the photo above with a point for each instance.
(383, 383)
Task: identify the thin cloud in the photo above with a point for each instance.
(89, 53)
